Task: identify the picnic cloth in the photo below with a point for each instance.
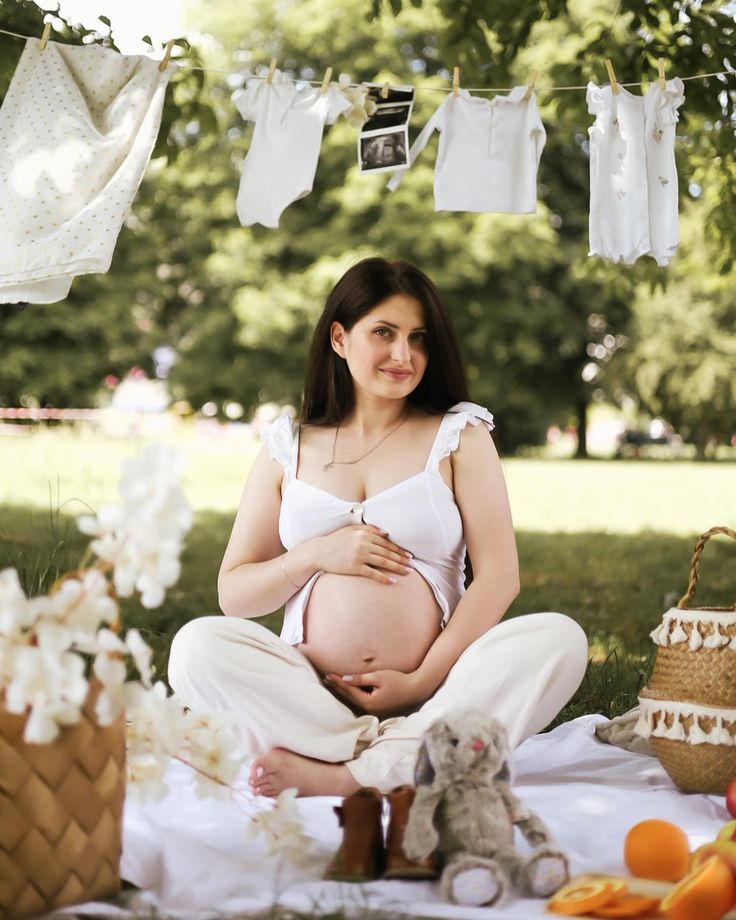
(191, 858)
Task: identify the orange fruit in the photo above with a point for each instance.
(657, 849)
(628, 905)
(706, 893)
(582, 897)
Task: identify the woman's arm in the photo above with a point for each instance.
(251, 580)
(481, 496)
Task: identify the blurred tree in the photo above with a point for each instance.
(682, 352)
(539, 321)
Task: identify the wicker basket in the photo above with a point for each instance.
(61, 809)
(688, 708)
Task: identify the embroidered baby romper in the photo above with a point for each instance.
(488, 153)
(284, 149)
(77, 128)
(633, 176)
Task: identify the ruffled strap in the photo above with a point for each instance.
(669, 101)
(448, 435)
(600, 100)
(282, 443)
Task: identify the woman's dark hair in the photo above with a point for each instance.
(328, 389)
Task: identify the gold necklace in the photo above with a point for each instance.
(332, 462)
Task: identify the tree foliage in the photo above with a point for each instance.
(541, 325)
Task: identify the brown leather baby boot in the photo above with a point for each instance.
(398, 864)
(361, 856)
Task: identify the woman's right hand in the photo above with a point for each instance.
(362, 549)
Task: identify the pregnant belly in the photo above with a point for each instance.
(354, 624)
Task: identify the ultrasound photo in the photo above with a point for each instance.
(383, 151)
(383, 143)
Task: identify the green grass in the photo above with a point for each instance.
(604, 542)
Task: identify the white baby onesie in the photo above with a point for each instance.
(284, 149)
(77, 128)
(633, 177)
(488, 153)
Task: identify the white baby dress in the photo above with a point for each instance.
(633, 176)
(284, 150)
(77, 128)
(488, 152)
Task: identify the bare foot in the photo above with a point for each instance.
(279, 769)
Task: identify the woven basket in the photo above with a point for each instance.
(61, 809)
(688, 708)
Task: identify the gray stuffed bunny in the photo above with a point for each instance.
(465, 809)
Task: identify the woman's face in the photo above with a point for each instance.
(386, 350)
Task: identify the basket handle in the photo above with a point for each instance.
(697, 552)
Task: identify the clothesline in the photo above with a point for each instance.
(441, 89)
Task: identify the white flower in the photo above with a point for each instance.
(81, 603)
(210, 748)
(282, 828)
(157, 723)
(145, 778)
(142, 654)
(111, 674)
(142, 538)
(51, 684)
(15, 612)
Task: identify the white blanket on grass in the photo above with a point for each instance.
(191, 858)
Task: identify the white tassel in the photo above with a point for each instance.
(664, 636)
(655, 634)
(660, 730)
(732, 644)
(715, 639)
(696, 735)
(642, 726)
(676, 732)
(696, 640)
(678, 634)
(719, 734)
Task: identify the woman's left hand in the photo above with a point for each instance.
(380, 693)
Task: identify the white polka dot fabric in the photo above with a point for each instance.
(77, 128)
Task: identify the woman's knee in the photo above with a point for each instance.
(198, 641)
(566, 639)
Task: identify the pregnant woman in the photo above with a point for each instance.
(375, 496)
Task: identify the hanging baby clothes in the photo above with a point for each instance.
(633, 176)
(77, 128)
(284, 149)
(488, 153)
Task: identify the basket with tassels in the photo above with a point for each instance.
(61, 808)
(688, 708)
(61, 814)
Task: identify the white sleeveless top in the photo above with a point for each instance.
(419, 514)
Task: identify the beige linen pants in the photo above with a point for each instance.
(522, 671)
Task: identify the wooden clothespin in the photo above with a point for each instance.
(384, 91)
(271, 68)
(326, 80)
(530, 85)
(455, 80)
(45, 37)
(167, 56)
(612, 78)
(660, 72)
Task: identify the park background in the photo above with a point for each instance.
(201, 327)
